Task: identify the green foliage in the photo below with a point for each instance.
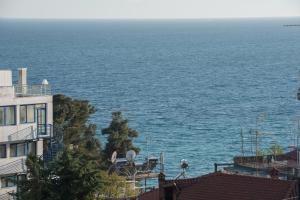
(75, 174)
(275, 150)
(78, 178)
(38, 185)
(115, 187)
(120, 136)
(69, 177)
(70, 118)
(71, 122)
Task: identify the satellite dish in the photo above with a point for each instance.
(130, 155)
(184, 164)
(45, 82)
(113, 157)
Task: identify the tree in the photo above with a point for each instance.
(275, 150)
(38, 184)
(120, 136)
(78, 178)
(70, 117)
(71, 122)
(115, 187)
(71, 176)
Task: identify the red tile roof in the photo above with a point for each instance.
(236, 187)
(292, 155)
(221, 186)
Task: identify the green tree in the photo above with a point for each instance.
(275, 150)
(78, 178)
(38, 185)
(75, 173)
(71, 122)
(120, 136)
(115, 187)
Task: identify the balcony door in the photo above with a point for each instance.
(41, 121)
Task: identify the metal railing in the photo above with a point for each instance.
(32, 90)
(7, 196)
(24, 134)
(44, 130)
(31, 133)
(14, 167)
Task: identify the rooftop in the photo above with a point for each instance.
(223, 186)
(21, 89)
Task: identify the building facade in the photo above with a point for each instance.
(26, 125)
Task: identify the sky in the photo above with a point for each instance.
(141, 9)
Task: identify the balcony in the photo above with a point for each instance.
(32, 90)
(32, 133)
(17, 166)
(25, 90)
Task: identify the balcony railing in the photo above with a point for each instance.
(32, 133)
(32, 90)
(7, 196)
(14, 167)
(44, 130)
(24, 134)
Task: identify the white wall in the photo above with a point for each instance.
(5, 78)
(6, 131)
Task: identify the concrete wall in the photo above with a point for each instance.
(6, 131)
(5, 78)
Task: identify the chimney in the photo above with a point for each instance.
(161, 181)
(22, 82)
(22, 76)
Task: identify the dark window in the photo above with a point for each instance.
(8, 181)
(2, 116)
(21, 177)
(27, 114)
(31, 148)
(7, 115)
(3, 151)
(22, 149)
(13, 150)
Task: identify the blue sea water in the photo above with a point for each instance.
(189, 86)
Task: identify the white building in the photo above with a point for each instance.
(26, 120)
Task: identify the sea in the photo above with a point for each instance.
(193, 89)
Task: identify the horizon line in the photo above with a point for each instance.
(149, 18)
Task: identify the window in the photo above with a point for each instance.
(31, 148)
(27, 114)
(22, 149)
(13, 150)
(8, 181)
(41, 105)
(3, 151)
(1, 116)
(7, 115)
(17, 149)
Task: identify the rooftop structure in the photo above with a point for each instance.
(223, 186)
(26, 121)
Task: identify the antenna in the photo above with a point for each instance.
(298, 92)
(242, 142)
(184, 164)
(130, 155)
(113, 157)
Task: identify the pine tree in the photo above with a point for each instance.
(120, 136)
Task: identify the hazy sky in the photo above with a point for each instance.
(148, 8)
